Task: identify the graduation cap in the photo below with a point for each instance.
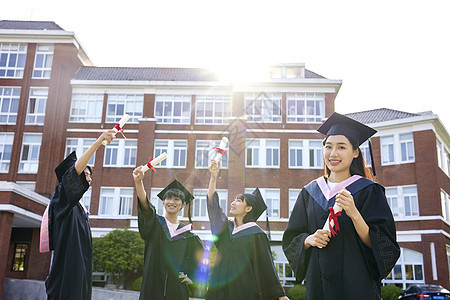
(175, 188)
(256, 201)
(65, 165)
(355, 131)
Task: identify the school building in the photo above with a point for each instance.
(53, 101)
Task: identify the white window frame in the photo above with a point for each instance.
(401, 201)
(86, 108)
(402, 262)
(308, 147)
(294, 100)
(212, 116)
(396, 144)
(7, 50)
(266, 103)
(273, 204)
(171, 149)
(205, 148)
(30, 165)
(44, 70)
(121, 146)
(262, 147)
(366, 153)
(445, 206)
(199, 209)
(287, 278)
(443, 156)
(36, 110)
(6, 141)
(8, 110)
(293, 195)
(111, 196)
(167, 101)
(407, 146)
(158, 204)
(80, 145)
(131, 104)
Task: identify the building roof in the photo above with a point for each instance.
(29, 25)
(381, 115)
(156, 74)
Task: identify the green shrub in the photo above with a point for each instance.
(390, 292)
(137, 284)
(297, 292)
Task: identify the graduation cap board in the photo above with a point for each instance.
(355, 131)
(185, 195)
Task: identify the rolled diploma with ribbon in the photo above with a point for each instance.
(122, 122)
(154, 162)
(221, 149)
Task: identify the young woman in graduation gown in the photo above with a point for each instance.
(244, 267)
(351, 262)
(172, 251)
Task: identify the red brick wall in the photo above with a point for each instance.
(6, 221)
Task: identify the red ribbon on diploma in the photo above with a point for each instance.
(149, 165)
(221, 151)
(117, 126)
(333, 216)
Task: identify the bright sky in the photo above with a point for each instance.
(388, 53)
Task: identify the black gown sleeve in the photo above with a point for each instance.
(294, 237)
(385, 250)
(268, 283)
(217, 218)
(146, 223)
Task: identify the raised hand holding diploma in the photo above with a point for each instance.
(119, 126)
(221, 149)
(151, 163)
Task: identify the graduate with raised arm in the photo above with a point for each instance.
(244, 267)
(349, 256)
(69, 233)
(172, 251)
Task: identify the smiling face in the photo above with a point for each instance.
(239, 207)
(338, 154)
(173, 205)
(88, 174)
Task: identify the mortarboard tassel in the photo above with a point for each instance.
(189, 212)
(268, 225)
(371, 158)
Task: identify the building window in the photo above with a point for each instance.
(43, 61)
(263, 153)
(212, 109)
(12, 60)
(36, 106)
(119, 104)
(205, 152)
(305, 154)
(263, 107)
(443, 157)
(407, 271)
(9, 101)
(80, 146)
(272, 199)
(175, 109)
(407, 147)
(448, 259)
(403, 201)
(305, 107)
(116, 201)
(293, 195)
(445, 204)
(176, 151)
(86, 108)
(366, 153)
(29, 158)
(86, 199)
(20, 255)
(285, 272)
(6, 143)
(199, 203)
(158, 204)
(121, 153)
(387, 149)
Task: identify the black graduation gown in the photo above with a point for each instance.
(70, 236)
(165, 256)
(346, 268)
(244, 267)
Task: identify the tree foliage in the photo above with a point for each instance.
(119, 253)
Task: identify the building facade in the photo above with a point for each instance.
(54, 101)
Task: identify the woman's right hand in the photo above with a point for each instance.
(138, 175)
(214, 168)
(320, 238)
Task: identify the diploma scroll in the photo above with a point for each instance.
(154, 162)
(119, 126)
(221, 149)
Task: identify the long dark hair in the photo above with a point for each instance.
(358, 165)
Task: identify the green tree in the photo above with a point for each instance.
(119, 253)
